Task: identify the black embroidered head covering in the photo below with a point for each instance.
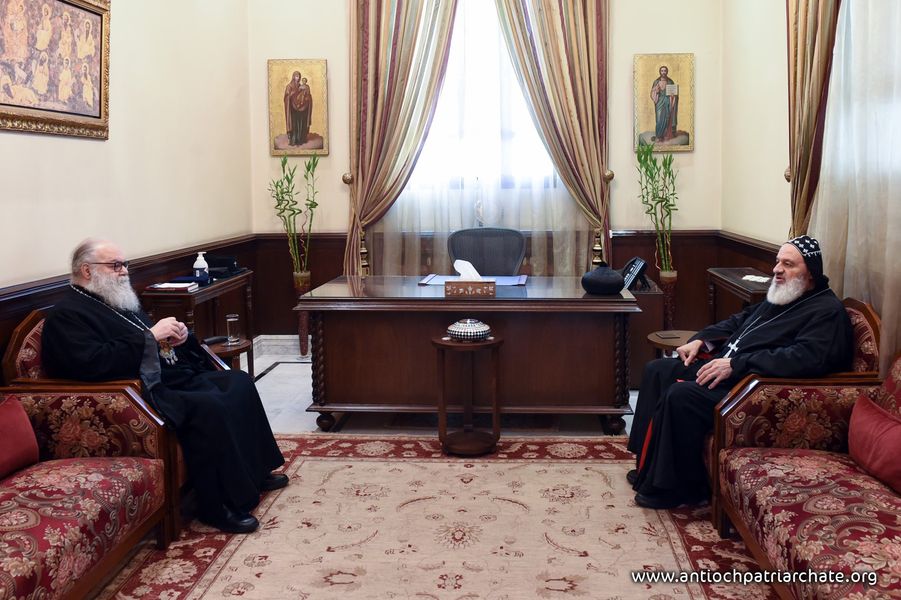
(813, 258)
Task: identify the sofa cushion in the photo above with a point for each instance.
(18, 446)
(60, 517)
(874, 441)
(816, 509)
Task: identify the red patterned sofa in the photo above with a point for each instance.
(795, 495)
(98, 488)
(22, 366)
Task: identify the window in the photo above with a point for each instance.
(483, 163)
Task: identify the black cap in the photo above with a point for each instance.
(813, 257)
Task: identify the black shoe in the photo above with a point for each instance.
(227, 520)
(274, 481)
(632, 476)
(658, 501)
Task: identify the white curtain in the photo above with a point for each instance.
(857, 211)
(482, 164)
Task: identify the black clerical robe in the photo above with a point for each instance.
(809, 337)
(217, 415)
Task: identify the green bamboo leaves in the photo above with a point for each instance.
(288, 209)
(657, 181)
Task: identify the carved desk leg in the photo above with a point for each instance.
(325, 420)
(615, 424)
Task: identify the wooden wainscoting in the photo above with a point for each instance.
(273, 294)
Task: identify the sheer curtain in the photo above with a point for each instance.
(857, 212)
(482, 164)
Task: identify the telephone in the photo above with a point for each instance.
(632, 271)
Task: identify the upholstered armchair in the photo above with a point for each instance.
(787, 482)
(22, 366)
(98, 486)
(864, 368)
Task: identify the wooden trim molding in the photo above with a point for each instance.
(694, 251)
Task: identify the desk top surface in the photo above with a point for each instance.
(405, 292)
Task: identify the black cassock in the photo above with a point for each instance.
(217, 415)
(809, 337)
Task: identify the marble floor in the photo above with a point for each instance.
(283, 378)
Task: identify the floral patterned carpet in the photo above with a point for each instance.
(380, 517)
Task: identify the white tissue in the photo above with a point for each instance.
(466, 270)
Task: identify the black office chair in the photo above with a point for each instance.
(491, 250)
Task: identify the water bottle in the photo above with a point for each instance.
(201, 269)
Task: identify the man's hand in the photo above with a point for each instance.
(715, 371)
(689, 352)
(171, 330)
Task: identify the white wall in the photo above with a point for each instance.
(188, 161)
(175, 170)
(756, 197)
(300, 29)
(659, 26)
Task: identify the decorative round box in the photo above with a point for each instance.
(603, 281)
(469, 330)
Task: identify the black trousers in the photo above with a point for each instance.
(672, 419)
(226, 439)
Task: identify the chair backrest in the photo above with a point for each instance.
(866, 326)
(491, 250)
(889, 394)
(23, 355)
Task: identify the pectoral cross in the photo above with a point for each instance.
(733, 347)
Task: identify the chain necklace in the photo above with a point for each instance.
(167, 353)
(733, 346)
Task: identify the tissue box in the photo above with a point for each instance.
(476, 289)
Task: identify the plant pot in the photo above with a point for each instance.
(668, 285)
(302, 285)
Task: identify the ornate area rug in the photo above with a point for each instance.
(381, 517)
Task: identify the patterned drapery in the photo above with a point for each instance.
(398, 60)
(811, 36)
(559, 51)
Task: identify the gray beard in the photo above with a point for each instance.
(115, 291)
(787, 292)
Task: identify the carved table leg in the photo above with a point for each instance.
(325, 421)
(613, 424)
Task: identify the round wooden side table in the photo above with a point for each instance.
(668, 340)
(233, 352)
(468, 441)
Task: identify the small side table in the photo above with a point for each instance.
(468, 441)
(669, 340)
(234, 352)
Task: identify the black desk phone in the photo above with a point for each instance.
(633, 272)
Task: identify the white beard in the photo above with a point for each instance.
(786, 293)
(115, 291)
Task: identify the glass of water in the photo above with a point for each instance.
(231, 329)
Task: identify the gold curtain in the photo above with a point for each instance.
(811, 37)
(559, 51)
(398, 58)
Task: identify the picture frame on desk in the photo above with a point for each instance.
(54, 67)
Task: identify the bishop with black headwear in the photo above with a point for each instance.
(800, 330)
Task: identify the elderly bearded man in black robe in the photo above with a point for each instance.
(800, 330)
(99, 332)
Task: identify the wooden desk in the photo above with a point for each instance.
(204, 310)
(564, 351)
(728, 293)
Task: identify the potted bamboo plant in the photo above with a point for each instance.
(288, 209)
(657, 184)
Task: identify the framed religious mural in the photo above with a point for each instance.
(298, 107)
(54, 66)
(664, 96)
